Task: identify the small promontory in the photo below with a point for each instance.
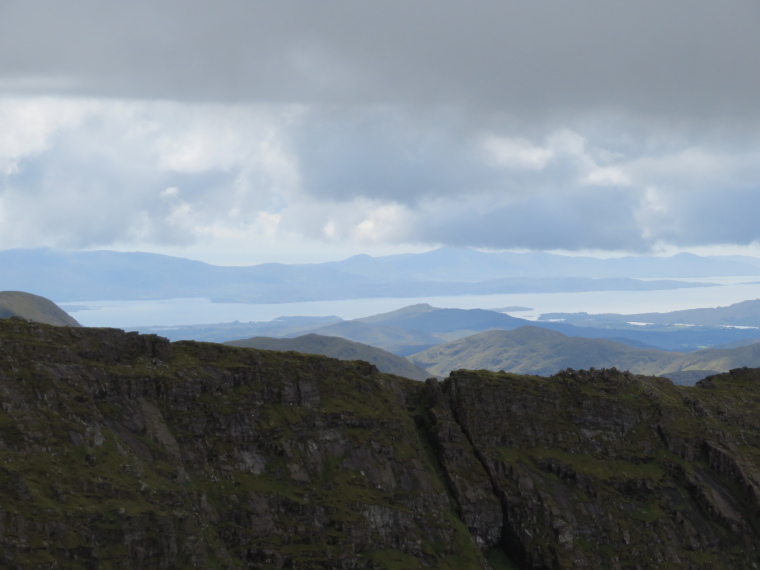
(33, 308)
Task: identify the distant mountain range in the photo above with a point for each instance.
(419, 327)
(108, 275)
(744, 314)
(451, 264)
(533, 350)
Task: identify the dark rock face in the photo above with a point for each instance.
(125, 451)
(120, 450)
(602, 469)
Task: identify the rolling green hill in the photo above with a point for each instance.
(34, 308)
(393, 339)
(340, 348)
(533, 350)
(416, 328)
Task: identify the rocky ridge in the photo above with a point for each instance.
(121, 450)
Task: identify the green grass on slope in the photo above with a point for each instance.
(34, 308)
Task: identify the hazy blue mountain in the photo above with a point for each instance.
(418, 327)
(397, 340)
(451, 264)
(425, 318)
(340, 348)
(221, 332)
(746, 313)
(103, 275)
(450, 324)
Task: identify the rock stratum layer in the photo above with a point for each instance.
(125, 451)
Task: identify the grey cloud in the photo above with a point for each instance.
(583, 219)
(693, 59)
(704, 217)
(76, 195)
(389, 156)
(381, 175)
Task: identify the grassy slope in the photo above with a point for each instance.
(531, 350)
(336, 347)
(34, 308)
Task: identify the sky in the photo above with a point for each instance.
(243, 131)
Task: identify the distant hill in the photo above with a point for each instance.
(34, 308)
(449, 264)
(398, 314)
(415, 328)
(221, 332)
(744, 314)
(402, 330)
(393, 339)
(719, 359)
(340, 348)
(532, 350)
(429, 319)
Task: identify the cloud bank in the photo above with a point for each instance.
(265, 125)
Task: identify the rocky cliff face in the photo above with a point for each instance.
(602, 469)
(125, 451)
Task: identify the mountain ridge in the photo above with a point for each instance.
(108, 275)
(742, 314)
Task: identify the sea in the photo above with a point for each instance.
(167, 312)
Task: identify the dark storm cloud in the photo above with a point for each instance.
(387, 155)
(711, 217)
(680, 58)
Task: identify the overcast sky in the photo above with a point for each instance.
(278, 130)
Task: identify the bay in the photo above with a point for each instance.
(128, 314)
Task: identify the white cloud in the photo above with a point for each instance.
(516, 152)
(608, 176)
(96, 173)
(28, 125)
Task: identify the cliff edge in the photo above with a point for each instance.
(122, 450)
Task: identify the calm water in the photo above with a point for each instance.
(124, 314)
